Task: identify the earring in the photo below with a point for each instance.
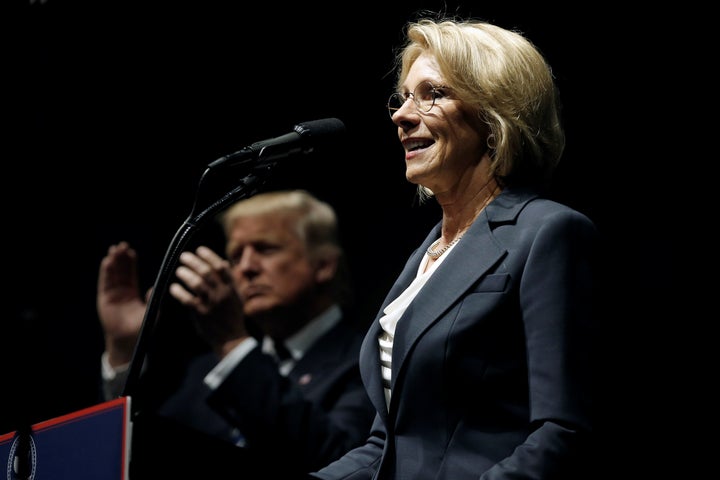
(491, 141)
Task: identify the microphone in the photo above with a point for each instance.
(303, 139)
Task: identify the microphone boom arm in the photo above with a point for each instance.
(199, 216)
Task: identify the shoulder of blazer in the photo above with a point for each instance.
(508, 205)
(511, 202)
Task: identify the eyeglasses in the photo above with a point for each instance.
(424, 97)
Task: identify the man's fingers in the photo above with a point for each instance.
(208, 265)
(186, 298)
(190, 277)
(212, 258)
(182, 295)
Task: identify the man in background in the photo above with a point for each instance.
(280, 379)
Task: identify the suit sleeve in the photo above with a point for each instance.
(556, 299)
(275, 415)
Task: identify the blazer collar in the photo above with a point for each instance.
(504, 209)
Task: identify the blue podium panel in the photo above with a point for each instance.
(89, 444)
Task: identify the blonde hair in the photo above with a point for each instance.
(315, 222)
(502, 76)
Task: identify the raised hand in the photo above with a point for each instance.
(120, 306)
(208, 287)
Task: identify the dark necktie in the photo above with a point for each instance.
(282, 351)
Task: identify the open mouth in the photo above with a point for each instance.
(419, 144)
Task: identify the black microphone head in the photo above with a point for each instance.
(303, 139)
(320, 128)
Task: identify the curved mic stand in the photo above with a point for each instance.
(203, 210)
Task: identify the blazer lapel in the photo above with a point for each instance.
(409, 273)
(370, 351)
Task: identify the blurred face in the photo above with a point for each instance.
(443, 145)
(270, 265)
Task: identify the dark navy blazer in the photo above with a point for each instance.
(290, 425)
(491, 362)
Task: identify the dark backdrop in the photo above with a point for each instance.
(119, 106)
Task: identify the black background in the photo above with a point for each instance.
(118, 107)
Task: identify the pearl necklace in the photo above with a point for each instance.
(435, 254)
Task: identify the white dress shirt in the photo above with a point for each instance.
(394, 311)
(297, 344)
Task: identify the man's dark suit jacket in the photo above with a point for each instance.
(290, 425)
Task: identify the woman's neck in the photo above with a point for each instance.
(460, 212)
